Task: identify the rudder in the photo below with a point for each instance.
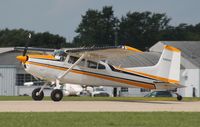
(168, 67)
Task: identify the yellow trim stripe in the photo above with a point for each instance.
(133, 83)
(148, 75)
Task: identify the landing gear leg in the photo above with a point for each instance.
(38, 93)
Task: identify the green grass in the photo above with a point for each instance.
(100, 119)
(25, 98)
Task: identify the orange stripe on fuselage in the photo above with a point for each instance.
(148, 75)
(134, 83)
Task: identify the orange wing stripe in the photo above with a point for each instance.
(42, 56)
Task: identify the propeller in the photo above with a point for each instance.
(26, 45)
(24, 58)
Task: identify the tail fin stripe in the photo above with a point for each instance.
(148, 75)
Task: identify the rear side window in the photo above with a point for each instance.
(91, 64)
(82, 63)
(72, 59)
(100, 66)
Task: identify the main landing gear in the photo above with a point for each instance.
(179, 97)
(38, 94)
(56, 95)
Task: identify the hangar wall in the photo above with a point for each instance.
(190, 79)
(7, 80)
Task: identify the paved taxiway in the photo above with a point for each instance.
(96, 106)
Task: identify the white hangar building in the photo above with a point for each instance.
(13, 76)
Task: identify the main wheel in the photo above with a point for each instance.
(35, 95)
(179, 97)
(56, 95)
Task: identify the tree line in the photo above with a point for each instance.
(137, 29)
(102, 28)
(19, 37)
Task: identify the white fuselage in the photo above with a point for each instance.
(50, 70)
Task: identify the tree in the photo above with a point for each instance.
(48, 40)
(182, 32)
(142, 30)
(96, 28)
(13, 37)
(18, 37)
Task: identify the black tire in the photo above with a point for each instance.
(179, 97)
(37, 97)
(56, 95)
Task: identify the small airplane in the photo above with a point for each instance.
(89, 67)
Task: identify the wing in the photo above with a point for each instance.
(103, 52)
(36, 50)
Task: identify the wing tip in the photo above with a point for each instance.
(131, 48)
(171, 48)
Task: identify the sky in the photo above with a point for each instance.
(63, 16)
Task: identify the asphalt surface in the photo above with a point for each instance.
(97, 106)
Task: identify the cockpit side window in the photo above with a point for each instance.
(91, 64)
(72, 59)
(62, 58)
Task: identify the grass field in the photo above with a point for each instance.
(21, 98)
(100, 119)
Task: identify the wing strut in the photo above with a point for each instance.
(68, 70)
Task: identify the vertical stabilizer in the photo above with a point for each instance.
(168, 67)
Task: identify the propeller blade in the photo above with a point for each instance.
(25, 51)
(26, 45)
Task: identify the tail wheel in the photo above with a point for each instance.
(36, 96)
(179, 97)
(56, 95)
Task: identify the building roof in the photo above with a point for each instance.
(190, 50)
(6, 49)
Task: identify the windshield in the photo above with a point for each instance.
(60, 55)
